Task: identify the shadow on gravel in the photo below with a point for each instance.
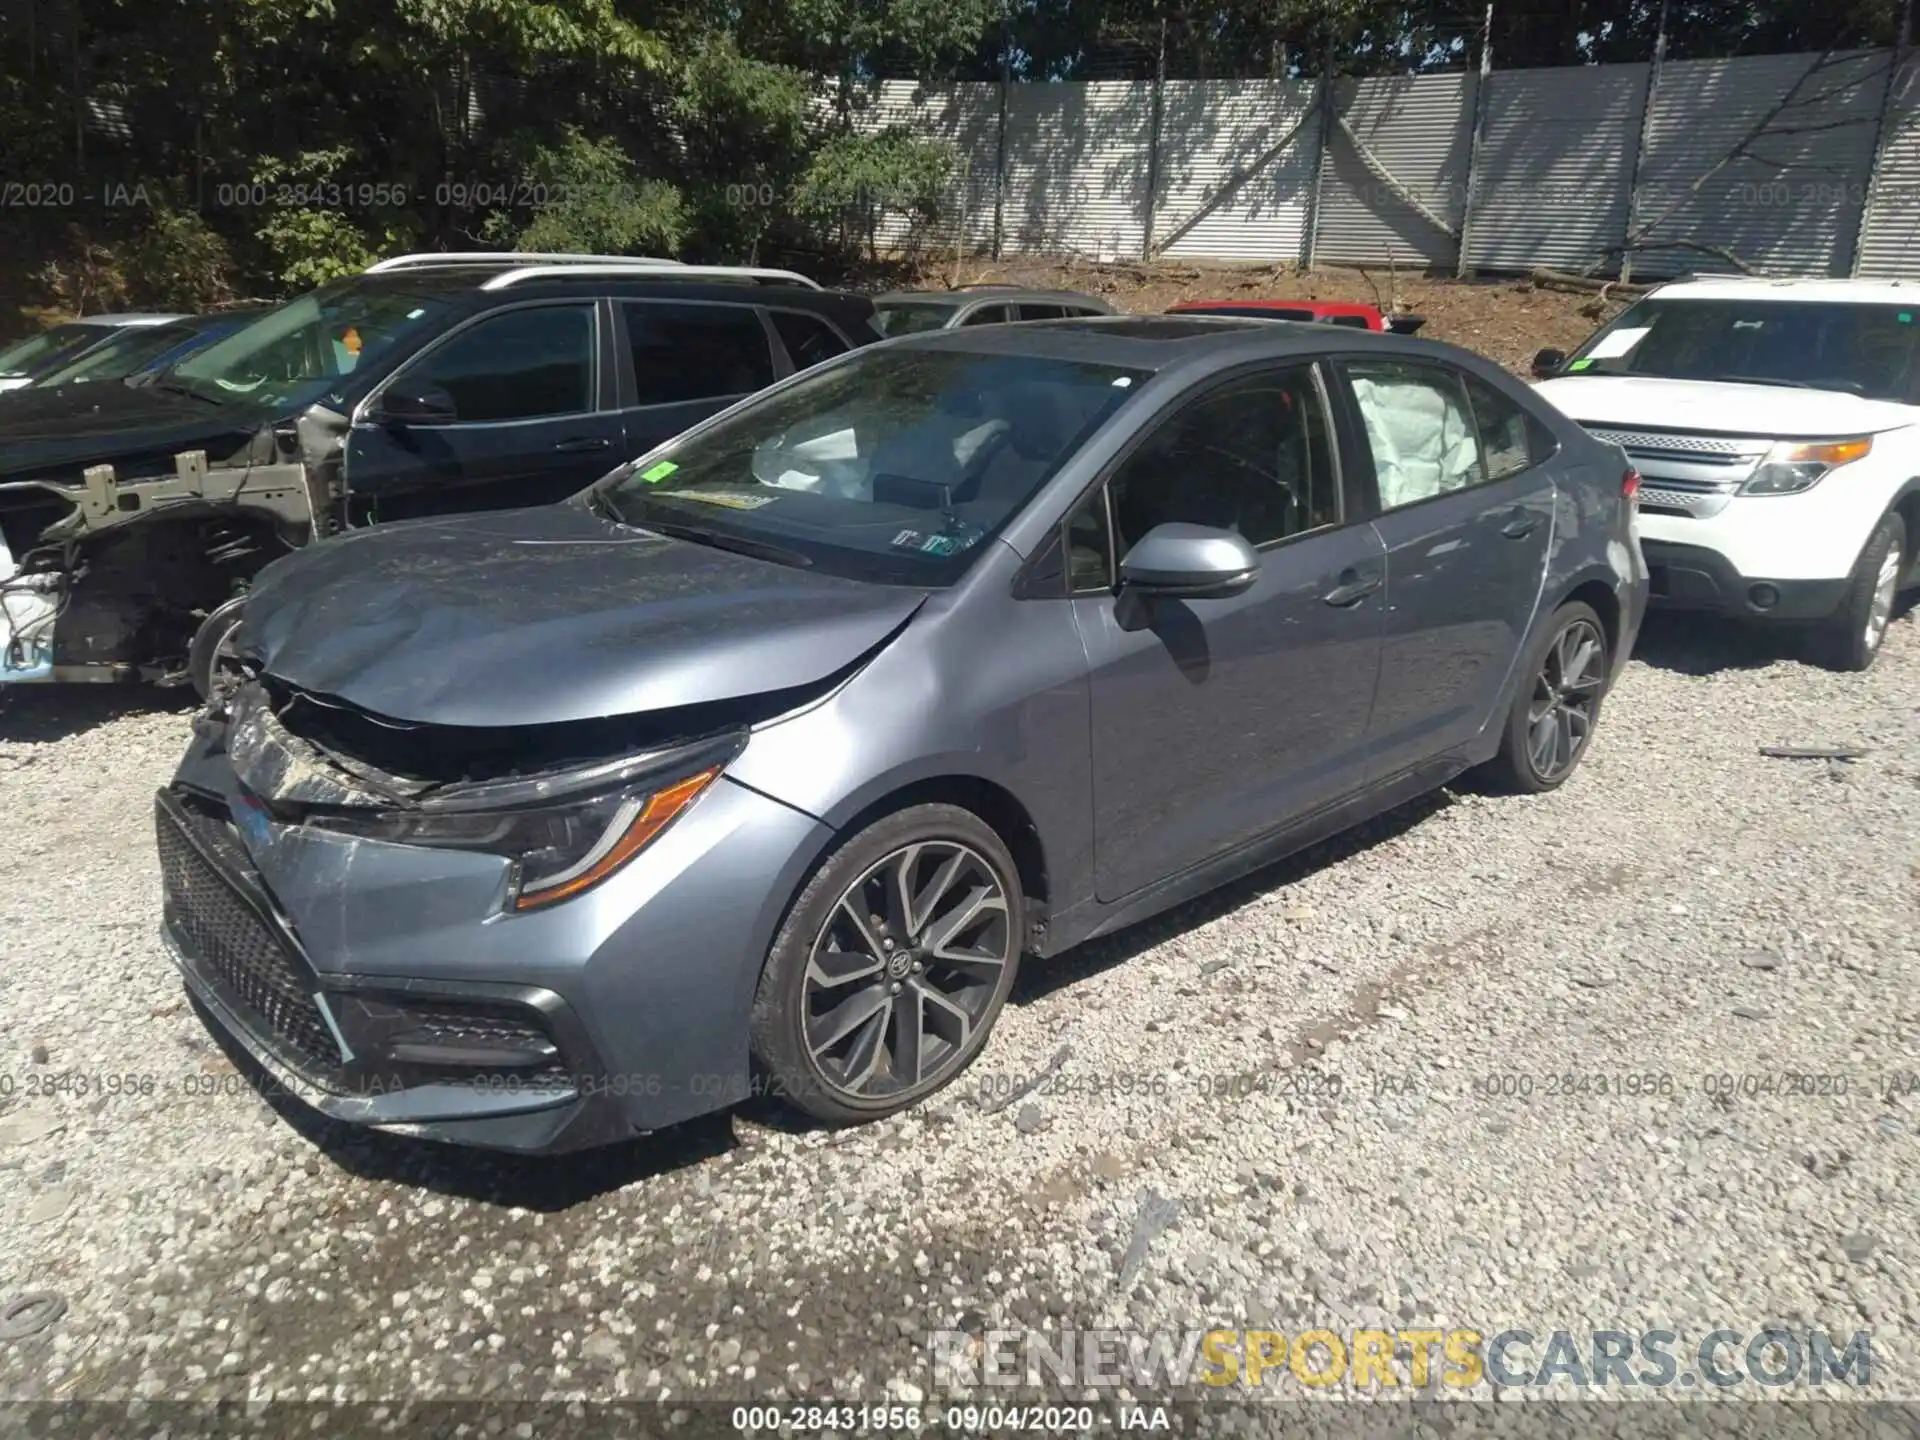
(1040, 978)
(1693, 644)
(540, 1183)
(38, 714)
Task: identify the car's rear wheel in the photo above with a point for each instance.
(1850, 638)
(892, 966)
(1557, 705)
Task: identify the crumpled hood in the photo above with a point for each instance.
(534, 617)
(1720, 408)
(135, 427)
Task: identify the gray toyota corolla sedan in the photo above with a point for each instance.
(759, 767)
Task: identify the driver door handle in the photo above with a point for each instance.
(1352, 589)
(1520, 524)
(582, 443)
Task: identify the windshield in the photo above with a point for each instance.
(893, 466)
(1860, 349)
(909, 317)
(130, 350)
(48, 348)
(300, 352)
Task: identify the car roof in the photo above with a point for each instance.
(1339, 307)
(988, 294)
(1829, 291)
(126, 318)
(1159, 342)
(452, 281)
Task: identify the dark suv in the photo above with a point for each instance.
(432, 383)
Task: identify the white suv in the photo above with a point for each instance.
(1776, 427)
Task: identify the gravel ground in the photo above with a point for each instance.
(1684, 907)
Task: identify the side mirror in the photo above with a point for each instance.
(1548, 363)
(414, 402)
(1177, 561)
(1405, 324)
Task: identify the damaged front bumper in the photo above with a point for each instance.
(385, 984)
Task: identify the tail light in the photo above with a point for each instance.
(1630, 486)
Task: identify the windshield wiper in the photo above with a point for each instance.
(600, 501)
(1762, 380)
(174, 387)
(738, 544)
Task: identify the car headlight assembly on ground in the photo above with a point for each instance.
(1791, 467)
(558, 851)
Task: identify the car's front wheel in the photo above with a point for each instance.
(893, 964)
(213, 645)
(1850, 638)
(1557, 704)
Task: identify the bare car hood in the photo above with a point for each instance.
(135, 427)
(534, 617)
(1720, 407)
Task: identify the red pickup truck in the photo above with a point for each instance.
(1324, 312)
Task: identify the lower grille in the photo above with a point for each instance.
(226, 934)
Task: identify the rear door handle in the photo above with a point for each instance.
(1352, 589)
(582, 443)
(1520, 524)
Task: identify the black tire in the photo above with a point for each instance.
(797, 1008)
(204, 653)
(1850, 638)
(1517, 769)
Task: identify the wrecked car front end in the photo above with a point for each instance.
(107, 566)
(451, 876)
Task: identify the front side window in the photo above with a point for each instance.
(521, 365)
(1254, 456)
(130, 350)
(987, 315)
(48, 348)
(893, 467)
(1419, 429)
(1860, 349)
(911, 317)
(808, 339)
(301, 352)
(696, 352)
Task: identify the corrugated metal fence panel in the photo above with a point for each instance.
(1076, 176)
(965, 116)
(1211, 131)
(1556, 163)
(1891, 245)
(1791, 204)
(1420, 128)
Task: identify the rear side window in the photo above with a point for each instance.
(696, 352)
(987, 315)
(808, 339)
(1043, 312)
(1507, 441)
(1355, 322)
(516, 366)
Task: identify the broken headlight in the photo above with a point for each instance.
(558, 850)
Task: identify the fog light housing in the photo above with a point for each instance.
(454, 1037)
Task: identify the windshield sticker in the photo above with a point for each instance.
(946, 544)
(729, 502)
(1580, 365)
(909, 540)
(654, 474)
(1612, 347)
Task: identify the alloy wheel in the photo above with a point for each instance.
(1880, 610)
(906, 970)
(1566, 696)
